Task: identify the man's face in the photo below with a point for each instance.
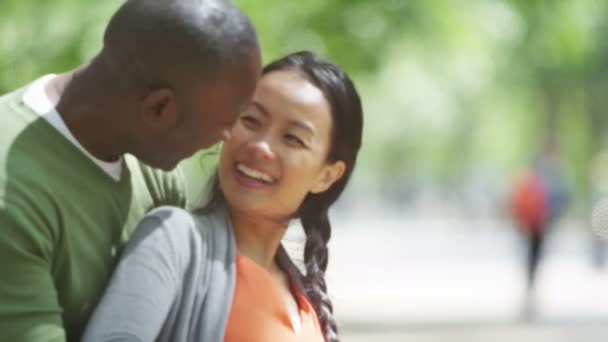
(203, 112)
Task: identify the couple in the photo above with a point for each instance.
(80, 155)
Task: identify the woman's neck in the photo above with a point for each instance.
(258, 238)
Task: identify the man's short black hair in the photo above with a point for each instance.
(169, 40)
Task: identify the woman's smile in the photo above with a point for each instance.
(252, 178)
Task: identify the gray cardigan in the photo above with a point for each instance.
(174, 282)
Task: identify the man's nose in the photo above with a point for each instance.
(226, 134)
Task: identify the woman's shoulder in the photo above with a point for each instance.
(170, 230)
(183, 217)
(170, 220)
(181, 230)
(170, 215)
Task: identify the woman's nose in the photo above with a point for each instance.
(261, 148)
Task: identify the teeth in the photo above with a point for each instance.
(254, 174)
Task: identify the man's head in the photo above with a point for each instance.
(189, 67)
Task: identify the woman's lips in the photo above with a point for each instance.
(250, 177)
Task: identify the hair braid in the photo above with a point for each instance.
(318, 232)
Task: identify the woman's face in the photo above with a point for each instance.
(277, 150)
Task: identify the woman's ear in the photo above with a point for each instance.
(328, 176)
(159, 109)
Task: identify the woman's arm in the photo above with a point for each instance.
(147, 280)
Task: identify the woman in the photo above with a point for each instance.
(221, 273)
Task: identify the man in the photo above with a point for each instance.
(78, 152)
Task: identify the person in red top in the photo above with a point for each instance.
(539, 197)
(530, 206)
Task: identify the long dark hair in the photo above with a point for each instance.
(347, 118)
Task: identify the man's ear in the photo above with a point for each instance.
(159, 109)
(328, 176)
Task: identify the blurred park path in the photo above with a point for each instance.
(537, 332)
(398, 279)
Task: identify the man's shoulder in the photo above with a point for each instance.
(14, 111)
(15, 116)
(12, 97)
(21, 129)
(137, 165)
(166, 188)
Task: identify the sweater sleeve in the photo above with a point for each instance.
(147, 280)
(29, 307)
(178, 193)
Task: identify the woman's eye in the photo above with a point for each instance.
(250, 121)
(293, 139)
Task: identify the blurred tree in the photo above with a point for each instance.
(447, 86)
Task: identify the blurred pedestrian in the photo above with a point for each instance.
(530, 210)
(538, 199)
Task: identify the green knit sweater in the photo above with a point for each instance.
(62, 222)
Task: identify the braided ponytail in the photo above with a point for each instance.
(318, 232)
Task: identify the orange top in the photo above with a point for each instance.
(259, 313)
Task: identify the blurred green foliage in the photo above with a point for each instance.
(449, 87)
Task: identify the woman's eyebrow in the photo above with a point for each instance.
(301, 124)
(260, 107)
(292, 122)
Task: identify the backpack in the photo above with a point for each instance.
(530, 202)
